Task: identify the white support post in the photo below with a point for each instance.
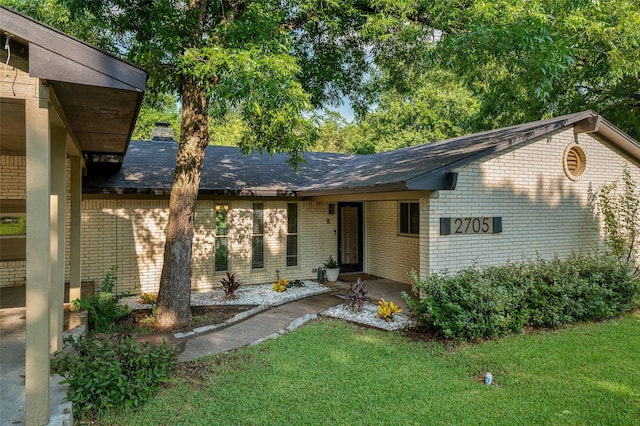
(38, 258)
(58, 207)
(75, 229)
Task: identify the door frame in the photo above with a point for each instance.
(352, 267)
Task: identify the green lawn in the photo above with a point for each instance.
(330, 372)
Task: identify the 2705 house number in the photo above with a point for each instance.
(470, 225)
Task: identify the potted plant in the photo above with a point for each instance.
(332, 269)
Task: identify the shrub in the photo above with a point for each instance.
(387, 309)
(110, 373)
(496, 301)
(357, 295)
(467, 305)
(148, 298)
(103, 308)
(230, 285)
(281, 285)
(581, 288)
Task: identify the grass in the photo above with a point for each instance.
(331, 372)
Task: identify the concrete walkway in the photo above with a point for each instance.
(276, 320)
(263, 325)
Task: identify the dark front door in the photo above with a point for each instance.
(350, 237)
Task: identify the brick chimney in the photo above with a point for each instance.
(162, 131)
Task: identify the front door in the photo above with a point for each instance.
(350, 237)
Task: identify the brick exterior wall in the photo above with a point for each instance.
(544, 213)
(388, 254)
(130, 234)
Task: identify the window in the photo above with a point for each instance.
(222, 238)
(409, 219)
(13, 230)
(257, 238)
(292, 234)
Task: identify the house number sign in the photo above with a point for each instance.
(470, 225)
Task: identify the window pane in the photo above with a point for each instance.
(222, 222)
(257, 252)
(404, 218)
(292, 218)
(222, 254)
(414, 220)
(258, 218)
(292, 250)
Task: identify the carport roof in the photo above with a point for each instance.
(99, 94)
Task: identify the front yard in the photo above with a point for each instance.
(332, 372)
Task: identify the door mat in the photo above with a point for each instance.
(348, 278)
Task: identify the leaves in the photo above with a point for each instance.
(533, 59)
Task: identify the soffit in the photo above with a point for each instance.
(98, 94)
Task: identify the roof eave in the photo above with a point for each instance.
(367, 189)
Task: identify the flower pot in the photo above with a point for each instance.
(332, 274)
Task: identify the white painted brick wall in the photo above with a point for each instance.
(130, 234)
(543, 212)
(388, 254)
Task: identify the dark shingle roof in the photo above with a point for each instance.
(149, 166)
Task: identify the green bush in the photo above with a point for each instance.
(495, 301)
(580, 288)
(109, 373)
(102, 309)
(468, 305)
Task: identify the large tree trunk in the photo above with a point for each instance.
(174, 305)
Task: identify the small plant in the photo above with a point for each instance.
(619, 209)
(331, 263)
(112, 372)
(281, 285)
(295, 283)
(103, 308)
(149, 298)
(387, 309)
(230, 285)
(357, 295)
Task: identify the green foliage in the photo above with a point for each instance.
(157, 107)
(496, 301)
(357, 295)
(112, 372)
(533, 59)
(581, 288)
(281, 285)
(230, 285)
(331, 263)
(149, 298)
(103, 308)
(13, 225)
(620, 213)
(387, 309)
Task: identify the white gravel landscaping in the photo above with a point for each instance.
(369, 316)
(264, 296)
(261, 294)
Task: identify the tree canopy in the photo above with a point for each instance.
(532, 59)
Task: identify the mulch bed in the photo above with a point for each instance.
(141, 321)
